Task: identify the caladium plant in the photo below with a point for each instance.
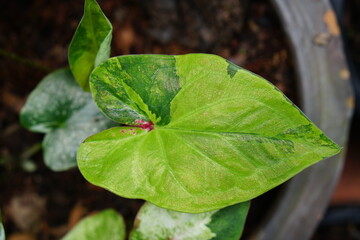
(226, 223)
(196, 135)
(199, 133)
(66, 114)
(90, 45)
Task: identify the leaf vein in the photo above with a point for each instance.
(166, 163)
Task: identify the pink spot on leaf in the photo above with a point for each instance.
(148, 126)
(140, 121)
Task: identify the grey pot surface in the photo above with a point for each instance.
(326, 98)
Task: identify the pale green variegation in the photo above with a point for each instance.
(106, 225)
(52, 102)
(222, 135)
(67, 114)
(154, 223)
(2, 231)
(90, 45)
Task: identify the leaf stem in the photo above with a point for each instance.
(25, 61)
(32, 150)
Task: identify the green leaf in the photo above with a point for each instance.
(2, 231)
(52, 102)
(228, 223)
(90, 45)
(136, 87)
(106, 225)
(59, 108)
(155, 223)
(221, 134)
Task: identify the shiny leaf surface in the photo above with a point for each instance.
(204, 134)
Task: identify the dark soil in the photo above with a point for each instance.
(34, 36)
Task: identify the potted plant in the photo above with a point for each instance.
(148, 107)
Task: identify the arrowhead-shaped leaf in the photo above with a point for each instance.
(155, 223)
(105, 225)
(90, 45)
(67, 114)
(221, 134)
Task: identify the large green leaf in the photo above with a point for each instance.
(90, 45)
(154, 223)
(221, 134)
(106, 225)
(2, 231)
(67, 114)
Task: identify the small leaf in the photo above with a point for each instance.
(90, 45)
(155, 223)
(228, 223)
(2, 231)
(209, 134)
(106, 225)
(52, 102)
(58, 107)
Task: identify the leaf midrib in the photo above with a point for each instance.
(158, 129)
(167, 164)
(212, 131)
